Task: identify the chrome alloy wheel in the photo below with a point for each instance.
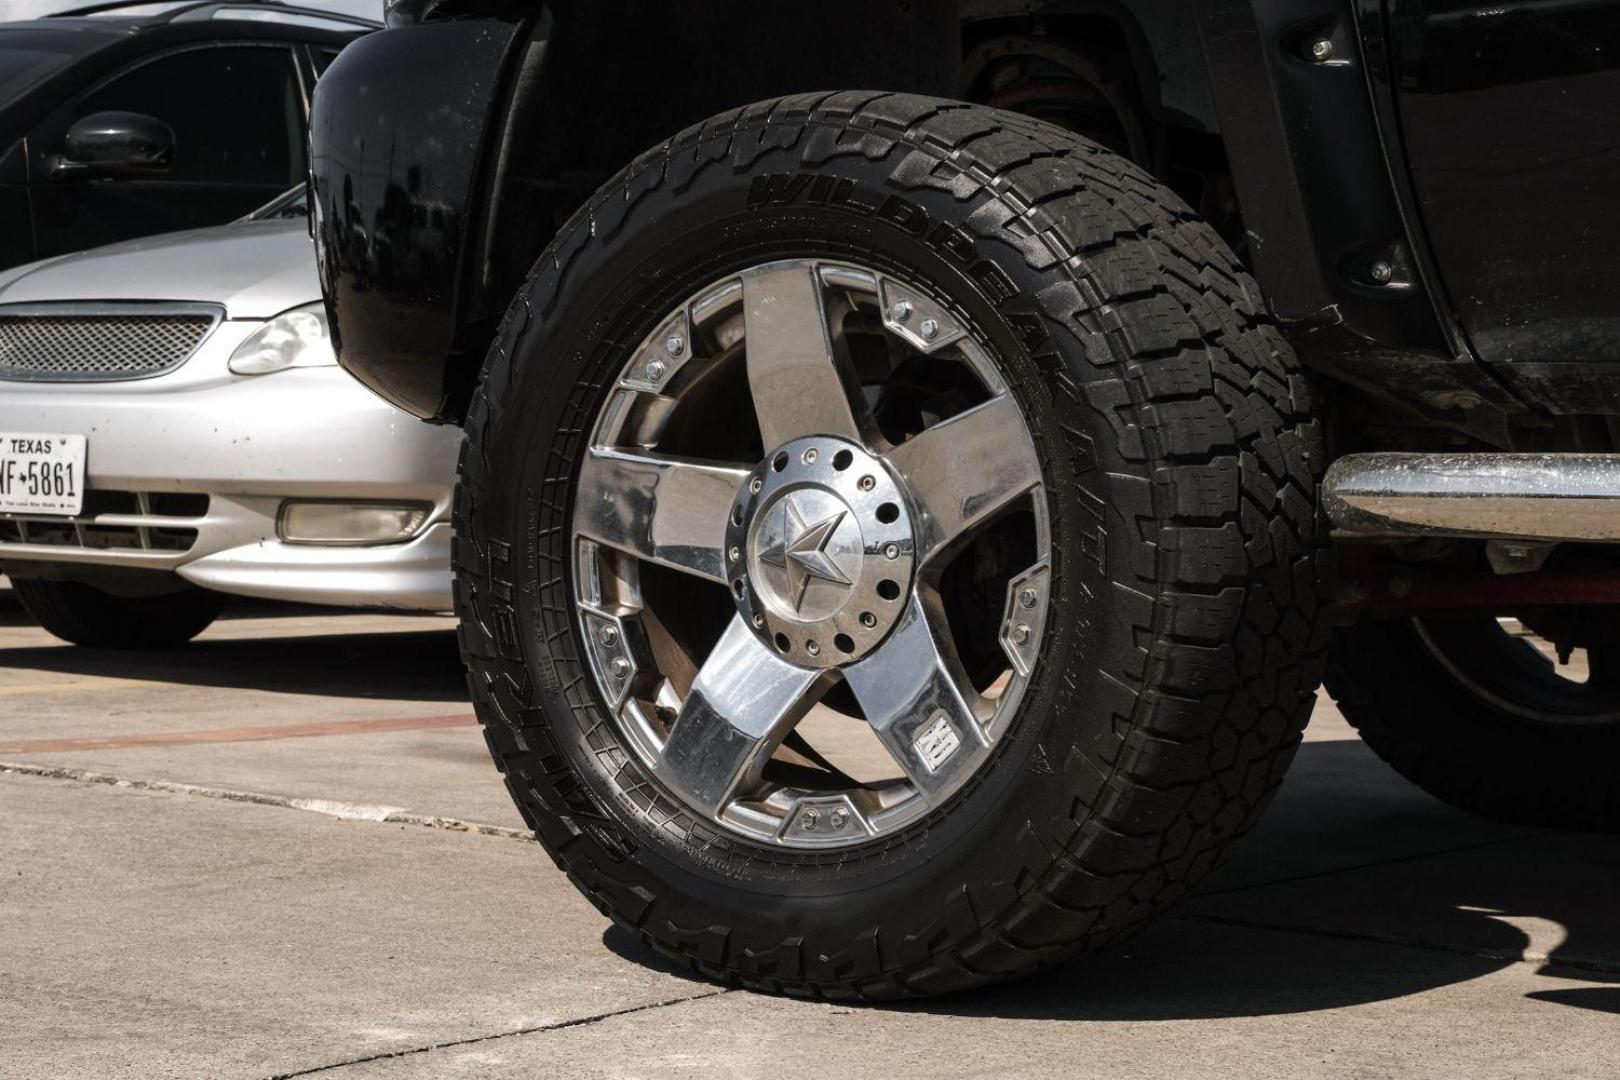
(876, 520)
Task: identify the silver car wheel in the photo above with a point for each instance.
(833, 547)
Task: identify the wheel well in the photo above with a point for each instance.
(1080, 71)
(1094, 72)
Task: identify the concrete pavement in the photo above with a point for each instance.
(283, 852)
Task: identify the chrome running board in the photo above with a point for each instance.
(1518, 496)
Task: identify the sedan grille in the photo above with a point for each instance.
(114, 520)
(101, 342)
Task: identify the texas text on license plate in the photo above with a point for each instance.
(41, 474)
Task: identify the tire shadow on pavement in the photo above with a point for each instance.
(1362, 889)
(1181, 969)
(1377, 891)
(1597, 998)
(1187, 967)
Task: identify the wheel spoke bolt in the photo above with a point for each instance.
(867, 483)
(755, 484)
(620, 667)
(810, 456)
(1020, 634)
(655, 370)
(1027, 597)
(838, 819)
(811, 818)
(812, 648)
(609, 636)
(868, 619)
(673, 344)
(928, 329)
(891, 550)
(901, 311)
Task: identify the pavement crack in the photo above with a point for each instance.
(560, 1025)
(345, 811)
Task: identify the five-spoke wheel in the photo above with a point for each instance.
(879, 446)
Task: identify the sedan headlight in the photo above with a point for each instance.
(296, 338)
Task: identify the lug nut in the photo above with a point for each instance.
(867, 482)
(735, 553)
(1321, 49)
(810, 819)
(1027, 597)
(810, 455)
(1382, 272)
(1020, 634)
(891, 550)
(620, 667)
(673, 344)
(758, 620)
(755, 484)
(812, 648)
(609, 636)
(868, 619)
(655, 370)
(838, 819)
(901, 311)
(928, 329)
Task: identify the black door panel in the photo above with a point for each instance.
(1510, 114)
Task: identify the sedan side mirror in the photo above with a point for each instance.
(116, 144)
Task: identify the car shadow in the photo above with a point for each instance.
(398, 665)
(1357, 888)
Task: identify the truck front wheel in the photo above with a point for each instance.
(887, 554)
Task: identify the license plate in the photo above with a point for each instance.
(41, 474)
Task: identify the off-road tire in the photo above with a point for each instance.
(85, 615)
(1465, 750)
(1180, 454)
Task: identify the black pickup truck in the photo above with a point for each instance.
(922, 458)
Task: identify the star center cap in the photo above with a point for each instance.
(802, 552)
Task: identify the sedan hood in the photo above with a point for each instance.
(255, 269)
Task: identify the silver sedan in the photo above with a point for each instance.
(174, 426)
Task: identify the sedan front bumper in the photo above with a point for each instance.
(248, 443)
